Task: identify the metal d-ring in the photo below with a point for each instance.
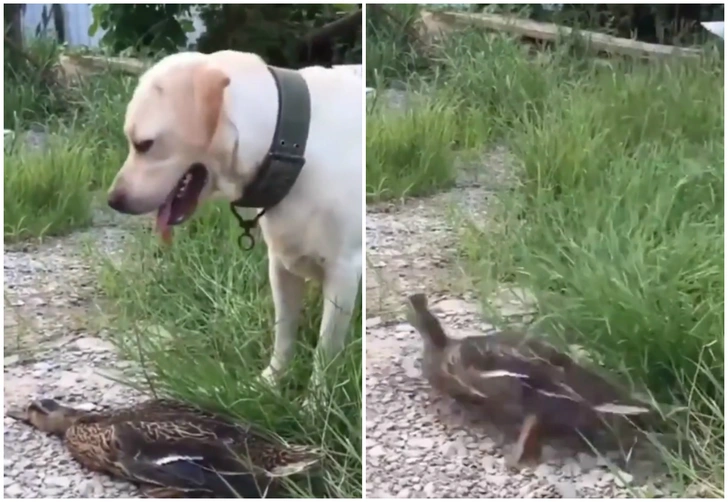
(246, 240)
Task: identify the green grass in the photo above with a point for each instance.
(53, 174)
(50, 188)
(409, 153)
(199, 318)
(615, 222)
(47, 194)
(30, 92)
(392, 55)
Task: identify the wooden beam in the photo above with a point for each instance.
(99, 64)
(552, 32)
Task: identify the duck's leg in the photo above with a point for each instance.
(528, 446)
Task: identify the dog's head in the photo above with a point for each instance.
(172, 124)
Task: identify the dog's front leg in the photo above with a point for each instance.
(340, 288)
(288, 290)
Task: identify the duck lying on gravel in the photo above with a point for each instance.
(521, 377)
(172, 449)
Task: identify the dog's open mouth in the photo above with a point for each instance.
(181, 201)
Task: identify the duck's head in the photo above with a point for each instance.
(47, 415)
(424, 322)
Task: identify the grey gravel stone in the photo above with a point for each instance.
(10, 360)
(404, 493)
(566, 489)
(587, 462)
(13, 491)
(544, 470)
(623, 479)
(374, 321)
(429, 489)
(571, 469)
(421, 443)
(59, 481)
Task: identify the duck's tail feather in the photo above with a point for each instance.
(610, 399)
(424, 321)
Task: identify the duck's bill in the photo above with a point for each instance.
(17, 414)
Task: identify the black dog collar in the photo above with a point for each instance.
(280, 169)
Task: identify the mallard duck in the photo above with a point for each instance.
(515, 374)
(172, 449)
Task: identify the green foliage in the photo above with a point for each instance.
(393, 48)
(409, 152)
(68, 144)
(148, 27)
(31, 90)
(273, 31)
(46, 195)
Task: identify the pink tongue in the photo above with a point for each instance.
(163, 214)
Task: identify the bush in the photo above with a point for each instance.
(32, 91)
(278, 33)
(47, 195)
(391, 43)
(142, 27)
(409, 152)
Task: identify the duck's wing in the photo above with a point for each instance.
(206, 455)
(552, 385)
(183, 455)
(508, 367)
(588, 385)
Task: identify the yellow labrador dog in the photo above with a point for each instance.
(200, 126)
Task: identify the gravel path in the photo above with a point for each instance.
(55, 347)
(419, 444)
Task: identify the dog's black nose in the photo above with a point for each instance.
(117, 201)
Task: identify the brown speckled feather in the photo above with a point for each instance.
(92, 445)
(173, 449)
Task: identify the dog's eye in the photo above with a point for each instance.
(143, 146)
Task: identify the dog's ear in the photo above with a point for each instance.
(209, 88)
